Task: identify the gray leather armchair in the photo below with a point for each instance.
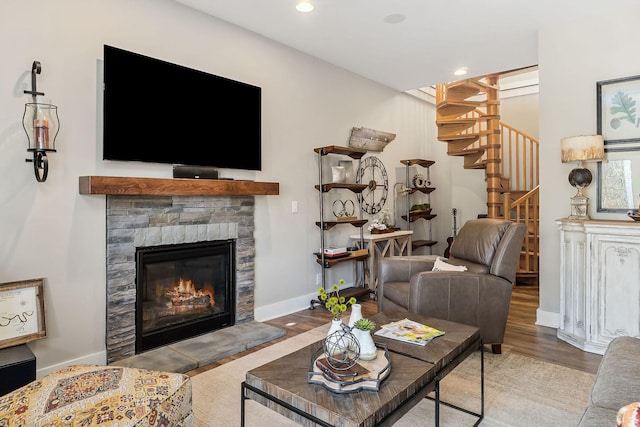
(490, 249)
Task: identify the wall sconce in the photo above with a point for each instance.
(41, 123)
(581, 149)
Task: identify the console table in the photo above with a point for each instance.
(599, 282)
(396, 243)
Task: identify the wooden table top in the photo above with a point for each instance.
(413, 371)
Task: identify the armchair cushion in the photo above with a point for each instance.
(479, 240)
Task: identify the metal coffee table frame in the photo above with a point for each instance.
(401, 409)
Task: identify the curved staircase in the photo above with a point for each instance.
(468, 120)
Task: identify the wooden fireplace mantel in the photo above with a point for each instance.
(131, 186)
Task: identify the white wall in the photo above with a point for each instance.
(49, 230)
(522, 113)
(572, 58)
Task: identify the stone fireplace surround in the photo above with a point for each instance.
(141, 220)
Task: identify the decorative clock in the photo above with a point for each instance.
(373, 173)
(419, 181)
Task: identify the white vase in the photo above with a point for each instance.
(333, 342)
(336, 325)
(368, 350)
(356, 314)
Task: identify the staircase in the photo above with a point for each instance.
(468, 120)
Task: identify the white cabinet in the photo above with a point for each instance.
(599, 282)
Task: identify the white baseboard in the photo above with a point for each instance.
(289, 306)
(283, 308)
(99, 358)
(547, 318)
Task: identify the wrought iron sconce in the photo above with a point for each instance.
(41, 123)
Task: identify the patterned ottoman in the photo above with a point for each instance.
(109, 396)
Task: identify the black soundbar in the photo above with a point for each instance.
(194, 172)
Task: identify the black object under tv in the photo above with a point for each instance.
(157, 111)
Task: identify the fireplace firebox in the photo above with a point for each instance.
(183, 290)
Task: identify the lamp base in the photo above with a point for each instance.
(579, 206)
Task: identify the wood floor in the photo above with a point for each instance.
(522, 335)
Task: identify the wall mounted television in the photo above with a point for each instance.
(160, 112)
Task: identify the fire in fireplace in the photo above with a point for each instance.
(183, 290)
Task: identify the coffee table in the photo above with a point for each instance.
(416, 371)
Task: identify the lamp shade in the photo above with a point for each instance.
(582, 148)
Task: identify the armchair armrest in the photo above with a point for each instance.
(476, 299)
(397, 271)
(401, 268)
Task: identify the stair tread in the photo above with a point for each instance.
(468, 135)
(472, 83)
(482, 103)
(473, 120)
(466, 152)
(444, 122)
(478, 165)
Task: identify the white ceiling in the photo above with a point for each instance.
(435, 38)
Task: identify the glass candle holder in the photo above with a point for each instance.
(41, 123)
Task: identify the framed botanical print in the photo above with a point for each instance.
(618, 116)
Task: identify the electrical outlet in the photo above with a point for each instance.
(318, 279)
(294, 206)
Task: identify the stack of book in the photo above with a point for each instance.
(335, 252)
(352, 372)
(406, 330)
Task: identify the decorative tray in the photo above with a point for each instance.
(376, 371)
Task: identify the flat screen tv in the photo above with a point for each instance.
(157, 111)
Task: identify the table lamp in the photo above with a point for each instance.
(581, 149)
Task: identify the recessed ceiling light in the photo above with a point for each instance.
(460, 71)
(304, 6)
(394, 18)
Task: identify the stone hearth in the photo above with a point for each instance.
(134, 221)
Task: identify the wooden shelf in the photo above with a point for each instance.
(425, 190)
(330, 224)
(421, 243)
(356, 188)
(355, 292)
(421, 162)
(414, 217)
(354, 153)
(330, 262)
(132, 186)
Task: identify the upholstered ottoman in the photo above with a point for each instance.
(109, 396)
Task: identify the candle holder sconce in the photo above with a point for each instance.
(41, 123)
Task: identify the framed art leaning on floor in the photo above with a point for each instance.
(22, 317)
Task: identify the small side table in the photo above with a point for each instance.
(17, 368)
(396, 243)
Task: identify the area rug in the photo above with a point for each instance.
(519, 391)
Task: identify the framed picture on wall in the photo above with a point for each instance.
(21, 312)
(618, 116)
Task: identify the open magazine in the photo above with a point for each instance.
(409, 331)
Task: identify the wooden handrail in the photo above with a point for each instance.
(525, 210)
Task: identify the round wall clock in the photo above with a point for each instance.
(373, 173)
